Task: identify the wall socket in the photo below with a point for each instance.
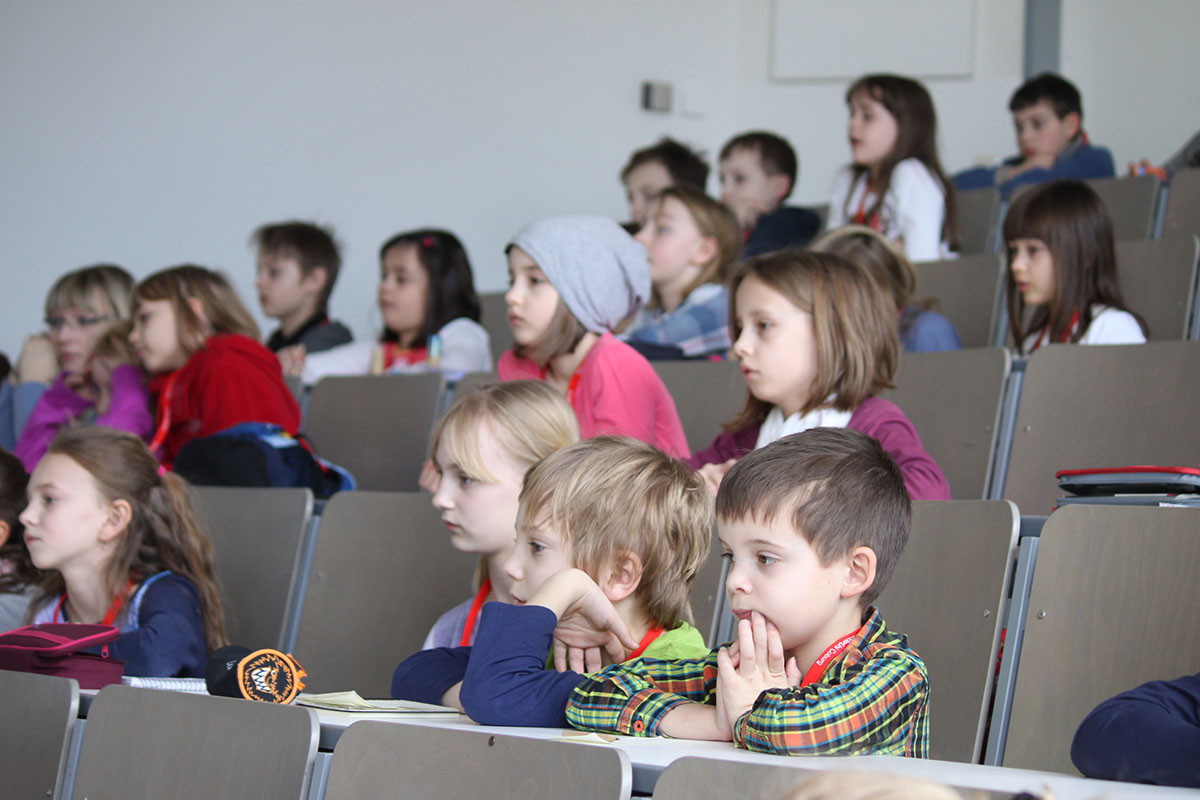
(657, 96)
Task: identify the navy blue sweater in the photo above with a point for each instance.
(504, 676)
(1150, 734)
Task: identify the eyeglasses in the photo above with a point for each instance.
(60, 321)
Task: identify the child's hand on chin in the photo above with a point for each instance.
(587, 621)
(756, 665)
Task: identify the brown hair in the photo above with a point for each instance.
(20, 571)
(77, 289)
(838, 488)
(223, 310)
(684, 165)
(115, 345)
(312, 246)
(714, 220)
(163, 532)
(562, 335)
(916, 137)
(774, 153)
(529, 419)
(613, 494)
(853, 321)
(882, 259)
(1070, 218)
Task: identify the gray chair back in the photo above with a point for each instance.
(153, 743)
(977, 219)
(967, 291)
(376, 426)
(1183, 204)
(947, 594)
(953, 398)
(383, 571)
(1131, 203)
(378, 760)
(708, 593)
(1113, 605)
(1101, 406)
(258, 537)
(706, 394)
(495, 322)
(1158, 281)
(35, 732)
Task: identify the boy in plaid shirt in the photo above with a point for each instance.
(812, 525)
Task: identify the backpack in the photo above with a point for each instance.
(55, 648)
(259, 454)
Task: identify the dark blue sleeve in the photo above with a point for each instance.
(975, 178)
(507, 682)
(1150, 734)
(1086, 163)
(785, 227)
(930, 332)
(426, 675)
(169, 639)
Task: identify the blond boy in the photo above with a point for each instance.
(812, 525)
(610, 535)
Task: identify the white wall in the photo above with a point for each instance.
(1136, 65)
(151, 133)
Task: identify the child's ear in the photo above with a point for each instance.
(315, 280)
(781, 186)
(623, 576)
(1073, 122)
(197, 307)
(5, 530)
(117, 520)
(860, 571)
(706, 251)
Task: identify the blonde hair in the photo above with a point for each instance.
(529, 419)
(223, 309)
(714, 220)
(869, 786)
(78, 289)
(874, 252)
(163, 532)
(612, 495)
(854, 323)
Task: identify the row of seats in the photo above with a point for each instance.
(999, 427)
(1096, 599)
(374, 572)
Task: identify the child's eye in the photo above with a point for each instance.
(766, 560)
(727, 557)
(465, 479)
(536, 547)
(763, 325)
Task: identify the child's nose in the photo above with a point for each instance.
(441, 498)
(512, 296)
(511, 566)
(735, 581)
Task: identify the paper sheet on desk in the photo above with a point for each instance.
(352, 702)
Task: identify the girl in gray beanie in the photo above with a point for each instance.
(573, 280)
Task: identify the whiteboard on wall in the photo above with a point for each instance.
(820, 40)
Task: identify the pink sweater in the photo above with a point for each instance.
(618, 392)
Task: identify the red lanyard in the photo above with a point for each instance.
(164, 415)
(473, 614)
(572, 385)
(1066, 337)
(650, 636)
(110, 617)
(860, 217)
(817, 670)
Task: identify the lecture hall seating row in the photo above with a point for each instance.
(1091, 571)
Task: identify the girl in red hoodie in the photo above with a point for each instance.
(201, 347)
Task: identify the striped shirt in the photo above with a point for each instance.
(873, 700)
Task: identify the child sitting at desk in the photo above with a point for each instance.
(812, 526)
(614, 523)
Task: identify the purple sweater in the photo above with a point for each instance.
(129, 410)
(878, 418)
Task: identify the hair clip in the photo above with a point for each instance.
(428, 241)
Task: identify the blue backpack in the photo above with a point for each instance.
(259, 454)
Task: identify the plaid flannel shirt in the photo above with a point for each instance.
(873, 700)
(699, 326)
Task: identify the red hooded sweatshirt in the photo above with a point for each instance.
(232, 379)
